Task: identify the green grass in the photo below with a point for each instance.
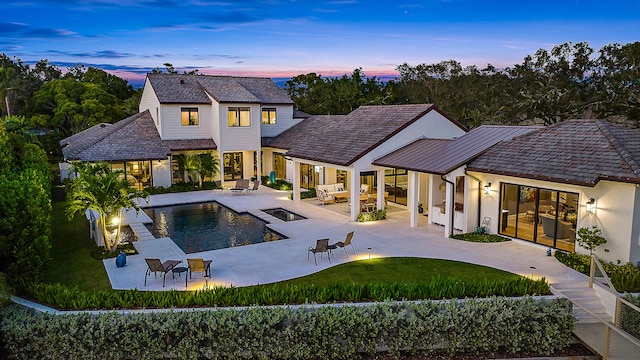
(71, 247)
(400, 269)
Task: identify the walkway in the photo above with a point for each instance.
(286, 259)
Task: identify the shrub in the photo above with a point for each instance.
(100, 253)
(625, 278)
(5, 291)
(590, 239)
(481, 238)
(372, 216)
(331, 332)
(278, 185)
(180, 187)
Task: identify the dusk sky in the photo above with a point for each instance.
(275, 38)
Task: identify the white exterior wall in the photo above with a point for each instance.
(149, 101)
(239, 138)
(161, 172)
(171, 124)
(284, 120)
(614, 214)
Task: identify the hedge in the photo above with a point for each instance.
(328, 332)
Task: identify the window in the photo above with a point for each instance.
(239, 116)
(269, 116)
(189, 116)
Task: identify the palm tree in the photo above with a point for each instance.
(107, 192)
(198, 165)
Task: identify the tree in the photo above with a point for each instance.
(590, 238)
(104, 191)
(196, 166)
(25, 204)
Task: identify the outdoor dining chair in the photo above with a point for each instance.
(202, 266)
(322, 246)
(155, 266)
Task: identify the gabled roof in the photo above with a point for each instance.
(134, 138)
(193, 89)
(441, 156)
(343, 139)
(580, 152)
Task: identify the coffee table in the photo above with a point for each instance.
(340, 197)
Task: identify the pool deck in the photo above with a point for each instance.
(286, 259)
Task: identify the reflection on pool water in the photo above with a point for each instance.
(207, 226)
(283, 214)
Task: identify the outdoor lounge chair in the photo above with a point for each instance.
(200, 265)
(345, 243)
(219, 186)
(155, 266)
(256, 185)
(322, 246)
(241, 186)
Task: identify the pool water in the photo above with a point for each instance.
(207, 226)
(283, 214)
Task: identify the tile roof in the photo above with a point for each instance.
(343, 139)
(193, 89)
(581, 152)
(191, 144)
(134, 138)
(441, 156)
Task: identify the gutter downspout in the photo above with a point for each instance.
(479, 193)
(451, 203)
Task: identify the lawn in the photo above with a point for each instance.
(390, 270)
(71, 248)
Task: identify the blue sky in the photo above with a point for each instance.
(283, 38)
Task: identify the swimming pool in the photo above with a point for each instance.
(207, 226)
(283, 214)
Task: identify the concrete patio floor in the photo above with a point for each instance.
(286, 259)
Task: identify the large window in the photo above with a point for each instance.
(396, 182)
(239, 116)
(233, 168)
(542, 216)
(279, 166)
(189, 116)
(269, 116)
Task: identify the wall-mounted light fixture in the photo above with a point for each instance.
(487, 188)
(159, 164)
(591, 205)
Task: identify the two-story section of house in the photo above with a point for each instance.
(225, 114)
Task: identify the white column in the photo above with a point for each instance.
(296, 180)
(430, 204)
(355, 194)
(381, 188)
(222, 168)
(448, 224)
(258, 165)
(412, 198)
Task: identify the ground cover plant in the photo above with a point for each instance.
(624, 277)
(480, 238)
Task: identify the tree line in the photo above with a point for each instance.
(570, 80)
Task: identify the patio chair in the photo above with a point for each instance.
(155, 266)
(322, 246)
(241, 186)
(200, 265)
(256, 185)
(345, 243)
(219, 186)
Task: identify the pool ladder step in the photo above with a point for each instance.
(265, 217)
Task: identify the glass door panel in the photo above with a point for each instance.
(232, 166)
(526, 212)
(508, 210)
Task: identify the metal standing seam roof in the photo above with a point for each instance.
(343, 139)
(196, 89)
(134, 138)
(580, 152)
(441, 156)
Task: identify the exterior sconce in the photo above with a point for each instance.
(591, 205)
(487, 189)
(159, 164)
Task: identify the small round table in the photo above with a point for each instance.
(180, 270)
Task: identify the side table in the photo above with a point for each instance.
(181, 270)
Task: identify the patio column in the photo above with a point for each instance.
(355, 194)
(448, 225)
(221, 168)
(412, 198)
(258, 165)
(381, 188)
(296, 180)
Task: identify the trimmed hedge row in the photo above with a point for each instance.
(62, 297)
(331, 332)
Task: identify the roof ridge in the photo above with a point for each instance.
(606, 128)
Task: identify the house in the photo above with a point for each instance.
(225, 115)
(341, 149)
(542, 186)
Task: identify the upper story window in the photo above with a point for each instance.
(189, 116)
(239, 116)
(269, 116)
